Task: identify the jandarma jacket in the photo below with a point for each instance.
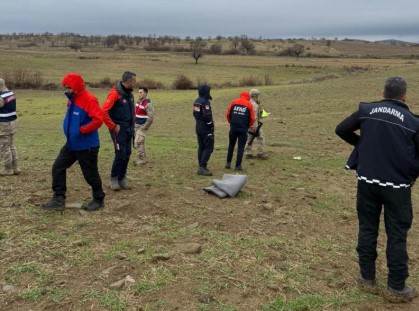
(83, 117)
(386, 151)
(202, 112)
(119, 108)
(240, 113)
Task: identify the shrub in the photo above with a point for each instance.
(50, 86)
(215, 48)
(268, 80)
(151, 84)
(182, 83)
(22, 78)
(103, 83)
(250, 81)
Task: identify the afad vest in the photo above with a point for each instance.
(8, 111)
(386, 150)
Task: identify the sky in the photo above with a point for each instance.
(363, 19)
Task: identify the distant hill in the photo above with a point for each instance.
(394, 42)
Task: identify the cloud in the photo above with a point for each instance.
(265, 18)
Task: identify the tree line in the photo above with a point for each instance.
(198, 46)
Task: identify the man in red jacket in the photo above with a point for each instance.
(118, 115)
(241, 116)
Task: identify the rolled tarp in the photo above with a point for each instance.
(228, 186)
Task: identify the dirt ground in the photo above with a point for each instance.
(196, 216)
(286, 242)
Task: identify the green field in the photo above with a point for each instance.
(286, 242)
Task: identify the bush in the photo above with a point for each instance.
(151, 84)
(215, 48)
(22, 78)
(182, 83)
(103, 83)
(250, 81)
(50, 86)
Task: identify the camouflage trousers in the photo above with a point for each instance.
(139, 143)
(8, 151)
(258, 142)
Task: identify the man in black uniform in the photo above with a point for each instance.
(204, 128)
(118, 115)
(386, 160)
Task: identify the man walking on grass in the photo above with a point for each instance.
(118, 115)
(81, 124)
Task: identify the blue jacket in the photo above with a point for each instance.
(83, 117)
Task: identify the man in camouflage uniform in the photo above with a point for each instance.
(260, 138)
(144, 114)
(7, 131)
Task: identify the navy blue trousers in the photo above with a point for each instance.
(122, 143)
(205, 148)
(234, 136)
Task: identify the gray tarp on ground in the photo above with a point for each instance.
(230, 185)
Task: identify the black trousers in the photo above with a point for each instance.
(398, 216)
(205, 148)
(122, 142)
(234, 136)
(88, 163)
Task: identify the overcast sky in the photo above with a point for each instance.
(364, 19)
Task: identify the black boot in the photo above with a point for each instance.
(204, 171)
(93, 205)
(56, 203)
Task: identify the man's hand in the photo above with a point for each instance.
(116, 129)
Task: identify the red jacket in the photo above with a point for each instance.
(240, 114)
(83, 117)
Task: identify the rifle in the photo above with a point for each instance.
(254, 134)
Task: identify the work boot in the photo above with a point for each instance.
(123, 184)
(56, 203)
(93, 205)
(262, 156)
(7, 173)
(16, 168)
(204, 171)
(249, 156)
(8, 170)
(396, 296)
(228, 165)
(114, 184)
(238, 168)
(370, 286)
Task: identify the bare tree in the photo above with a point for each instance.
(75, 46)
(215, 48)
(197, 47)
(234, 43)
(298, 49)
(247, 45)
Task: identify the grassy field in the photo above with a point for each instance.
(286, 242)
